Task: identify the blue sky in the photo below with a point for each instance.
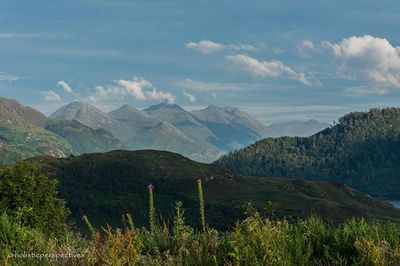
(278, 60)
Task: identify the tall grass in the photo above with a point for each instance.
(254, 241)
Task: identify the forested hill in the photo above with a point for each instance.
(361, 150)
(105, 186)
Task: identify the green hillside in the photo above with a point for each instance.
(362, 150)
(18, 142)
(82, 138)
(105, 186)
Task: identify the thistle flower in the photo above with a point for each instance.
(201, 202)
(152, 210)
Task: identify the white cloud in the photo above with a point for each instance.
(7, 77)
(190, 84)
(66, 87)
(134, 87)
(205, 46)
(51, 96)
(160, 95)
(12, 35)
(305, 46)
(370, 59)
(208, 47)
(264, 69)
(138, 88)
(189, 96)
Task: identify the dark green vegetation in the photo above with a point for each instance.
(105, 186)
(84, 139)
(25, 132)
(29, 230)
(362, 150)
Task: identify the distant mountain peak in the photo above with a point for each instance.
(164, 105)
(11, 110)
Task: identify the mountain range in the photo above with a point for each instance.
(361, 150)
(202, 135)
(78, 127)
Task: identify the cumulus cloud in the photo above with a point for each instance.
(139, 88)
(189, 96)
(305, 46)
(208, 47)
(371, 59)
(66, 87)
(264, 69)
(51, 96)
(161, 96)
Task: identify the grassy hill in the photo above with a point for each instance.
(106, 185)
(362, 150)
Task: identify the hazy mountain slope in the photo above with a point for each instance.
(167, 137)
(105, 186)
(83, 138)
(92, 117)
(136, 119)
(187, 123)
(236, 128)
(363, 150)
(296, 128)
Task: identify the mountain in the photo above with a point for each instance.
(13, 112)
(296, 128)
(167, 137)
(90, 116)
(104, 186)
(83, 138)
(235, 127)
(362, 150)
(21, 134)
(187, 123)
(136, 119)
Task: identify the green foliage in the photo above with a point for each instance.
(201, 204)
(31, 198)
(362, 150)
(152, 209)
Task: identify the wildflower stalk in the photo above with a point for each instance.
(152, 210)
(89, 225)
(201, 202)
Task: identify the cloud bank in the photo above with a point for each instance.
(264, 69)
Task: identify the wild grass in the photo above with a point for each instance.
(256, 240)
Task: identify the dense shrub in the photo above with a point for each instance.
(31, 198)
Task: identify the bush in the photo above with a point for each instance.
(31, 198)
